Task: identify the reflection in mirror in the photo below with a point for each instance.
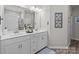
(16, 17)
(11, 19)
(29, 18)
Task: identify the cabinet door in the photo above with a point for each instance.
(42, 42)
(20, 47)
(34, 44)
(44, 39)
(39, 41)
(25, 47)
(12, 49)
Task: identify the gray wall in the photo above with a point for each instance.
(75, 26)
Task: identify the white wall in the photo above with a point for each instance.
(1, 10)
(59, 37)
(0, 21)
(43, 16)
(42, 20)
(69, 25)
(1, 14)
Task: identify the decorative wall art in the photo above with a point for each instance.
(58, 20)
(76, 19)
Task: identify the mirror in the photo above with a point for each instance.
(11, 19)
(29, 18)
(15, 17)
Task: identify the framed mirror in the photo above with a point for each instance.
(11, 17)
(16, 16)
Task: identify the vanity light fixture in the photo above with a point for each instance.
(32, 8)
(35, 9)
(38, 10)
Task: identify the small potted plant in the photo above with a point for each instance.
(28, 28)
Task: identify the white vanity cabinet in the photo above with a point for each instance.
(19, 45)
(38, 41)
(25, 44)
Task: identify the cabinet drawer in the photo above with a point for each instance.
(14, 40)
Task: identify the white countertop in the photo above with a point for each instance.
(21, 33)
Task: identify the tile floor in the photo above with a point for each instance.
(47, 51)
(73, 49)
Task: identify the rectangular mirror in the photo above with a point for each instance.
(11, 19)
(29, 18)
(13, 16)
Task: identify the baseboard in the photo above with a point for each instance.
(51, 47)
(74, 38)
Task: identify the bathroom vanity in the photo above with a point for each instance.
(23, 43)
(14, 39)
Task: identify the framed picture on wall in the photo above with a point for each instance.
(58, 20)
(76, 19)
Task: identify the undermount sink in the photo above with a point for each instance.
(13, 33)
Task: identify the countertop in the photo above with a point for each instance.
(20, 33)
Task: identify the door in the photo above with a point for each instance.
(59, 35)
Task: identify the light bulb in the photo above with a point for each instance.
(32, 8)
